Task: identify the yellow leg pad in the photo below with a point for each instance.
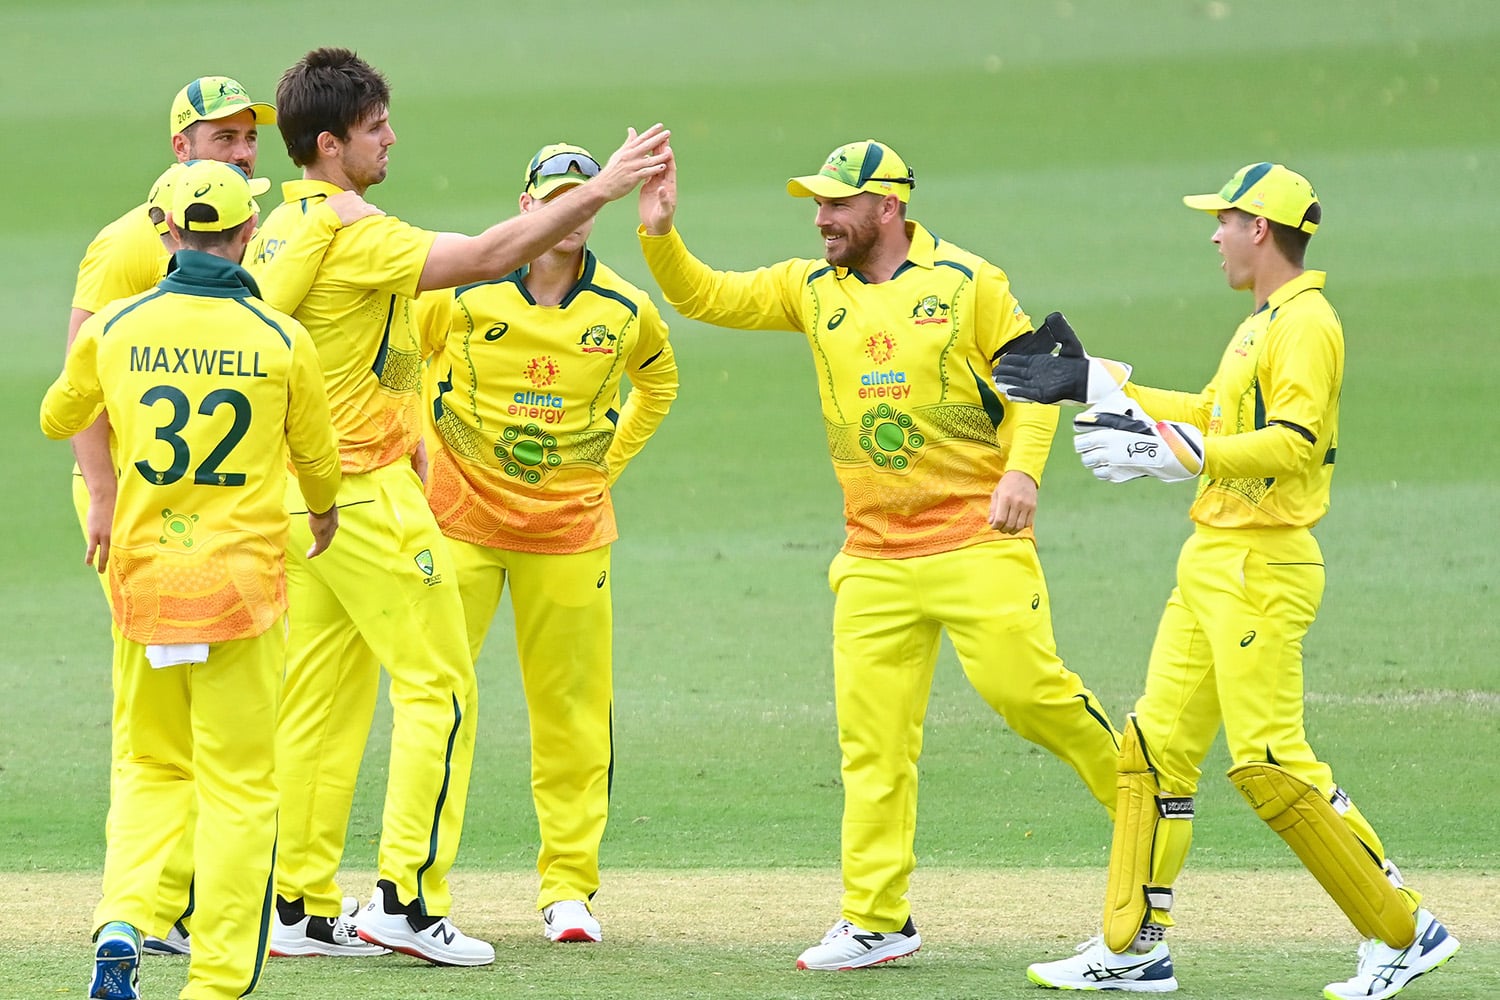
(1131, 897)
(1304, 818)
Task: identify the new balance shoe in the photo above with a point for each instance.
(176, 942)
(1095, 967)
(846, 946)
(297, 934)
(570, 920)
(389, 923)
(1383, 971)
(117, 963)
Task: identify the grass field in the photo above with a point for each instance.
(1055, 138)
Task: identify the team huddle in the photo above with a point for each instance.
(304, 437)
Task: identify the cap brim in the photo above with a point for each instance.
(559, 182)
(819, 186)
(1206, 202)
(259, 185)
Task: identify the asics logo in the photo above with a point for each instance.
(837, 318)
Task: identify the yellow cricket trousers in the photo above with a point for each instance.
(174, 899)
(564, 642)
(888, 617)
(384, 593)
(203, 733)
(1229, 650)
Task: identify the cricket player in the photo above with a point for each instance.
(388, 595)
(211, 118)
(940, 483)
(1260, 440)
(529, 437)
(210, 392)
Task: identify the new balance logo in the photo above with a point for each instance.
(448, 934)
(869, 940)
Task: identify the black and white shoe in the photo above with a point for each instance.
(389, 923)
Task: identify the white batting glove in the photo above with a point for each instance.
(1118, 441)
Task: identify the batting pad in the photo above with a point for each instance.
(1307, 821)
(1131, 897)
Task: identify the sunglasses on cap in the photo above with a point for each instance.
(559, 164)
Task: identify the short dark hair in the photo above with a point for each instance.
(1291, 241)
(327, 90)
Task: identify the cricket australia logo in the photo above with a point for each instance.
(541, 371)
(1247, 342)
(177, 528)
(526, 452)
(930, 310)
(597, 340)
(886, 435)
(423, 560)
(880, 348)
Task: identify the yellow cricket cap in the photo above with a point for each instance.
(210, 98)
(1268, 190)
(221, 187)
(557, 166)
(165, 187)
(854, 167)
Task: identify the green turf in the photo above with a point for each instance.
(1054, 138)
(532, 968)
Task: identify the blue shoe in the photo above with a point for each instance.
(117, 963)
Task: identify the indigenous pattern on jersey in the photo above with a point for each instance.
(1270, 415)
(525, 402)
(918, 435)
(210, 391)
(126, 258)
(358, 310)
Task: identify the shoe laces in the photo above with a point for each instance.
(1097, 941)
(838, 930)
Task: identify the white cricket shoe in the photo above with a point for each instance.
(570, 920)
(176, 942)
(387, 922)
(846, 946)
(1095, 967)
(1383, 971)
(297, 934)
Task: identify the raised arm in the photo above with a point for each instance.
(457, 260)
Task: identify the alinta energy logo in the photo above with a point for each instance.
(930, 310)
(526, 452)
(886, 435)
(541, 371)
(597, 340)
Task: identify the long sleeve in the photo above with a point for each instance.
(75, 399)
(653, 387)
(309, 430)
(763, 299)
(1031, 440)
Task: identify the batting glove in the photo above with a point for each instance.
(1119, 442)
(1029, 372)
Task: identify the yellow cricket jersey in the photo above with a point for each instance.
(525, 401)
(358, 309)
(210, 391)
(124, 259)
(917, 433)
(1270, 415)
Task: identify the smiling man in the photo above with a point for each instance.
(940, 486)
